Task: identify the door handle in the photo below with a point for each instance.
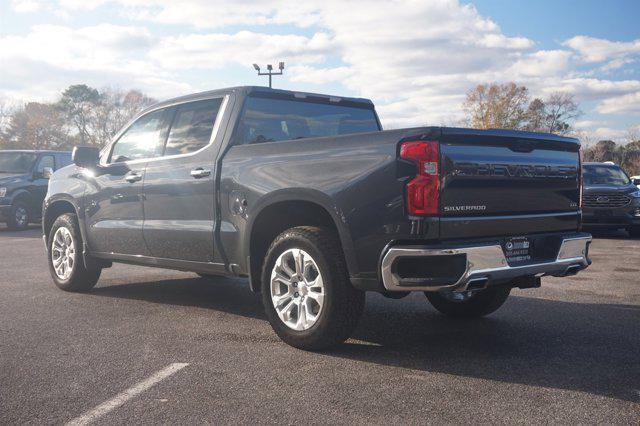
(200, 173)
(133, 177)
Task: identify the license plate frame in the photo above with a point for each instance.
(517, 250)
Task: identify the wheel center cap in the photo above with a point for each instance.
(302, 289)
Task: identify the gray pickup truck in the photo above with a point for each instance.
(309, 198)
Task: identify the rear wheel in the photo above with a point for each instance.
(306, 292)
(469, 304)
(19, 216)
(634, 231)
(66, 265)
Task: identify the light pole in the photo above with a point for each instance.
(270, 70)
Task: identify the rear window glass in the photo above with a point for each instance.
(604, 175)
(269, 120)
(192, 126)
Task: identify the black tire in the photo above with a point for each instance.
(481, 303)
(81, 278)
(343, 304)
(634, 231)
(208, 276)
(19, 216)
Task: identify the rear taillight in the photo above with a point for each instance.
(423, 190)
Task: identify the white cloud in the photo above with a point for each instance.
(604, 133)
(245, 47)
(88, 47)
(26, 6)
(588, 124)
(590, 89)
(625, 104)
(593, 49)
(415, 58)
(315, 75)
(543, 63)
(51, 57)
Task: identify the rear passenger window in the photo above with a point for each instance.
(192, 126)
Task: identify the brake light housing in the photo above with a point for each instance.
(423, 190)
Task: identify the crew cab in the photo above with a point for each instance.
(309, 198)
(611, 198)
(24, 176)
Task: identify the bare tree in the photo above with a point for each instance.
(37, 126)
(116, 108)
(561, 109)
(536, 115)
(78, 104)
(6, 110)
(507, 106)
(633, 134)
(497, 106)
(82, 116)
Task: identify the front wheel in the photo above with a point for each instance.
(19, 216)
(66, 265)
(307, 295)
(469, 304)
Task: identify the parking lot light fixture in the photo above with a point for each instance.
(270, 71)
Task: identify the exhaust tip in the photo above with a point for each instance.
(573, 270)
(477, 283)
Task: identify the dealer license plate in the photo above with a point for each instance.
(517, 250)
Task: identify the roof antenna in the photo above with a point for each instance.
(270, 71)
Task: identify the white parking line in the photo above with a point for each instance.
(126, 395)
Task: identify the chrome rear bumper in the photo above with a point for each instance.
(487, 263)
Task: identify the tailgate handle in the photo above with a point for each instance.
(521, 146)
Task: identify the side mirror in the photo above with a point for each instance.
(85, 156)
(636, 182)
(47, 172)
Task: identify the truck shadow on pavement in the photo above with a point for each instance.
(591, 348)
(585, 347)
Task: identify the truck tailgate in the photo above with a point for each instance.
(497, 183)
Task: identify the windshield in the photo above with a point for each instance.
(16, 162)
(605, 175)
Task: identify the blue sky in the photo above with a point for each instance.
(415, 59)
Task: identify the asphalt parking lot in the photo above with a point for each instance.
(168, 347)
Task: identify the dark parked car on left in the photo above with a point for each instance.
(24, 176)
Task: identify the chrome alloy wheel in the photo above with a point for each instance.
(63, 251)
(297, 289)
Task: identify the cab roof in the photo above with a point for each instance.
(597, 163)
(260, 90)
